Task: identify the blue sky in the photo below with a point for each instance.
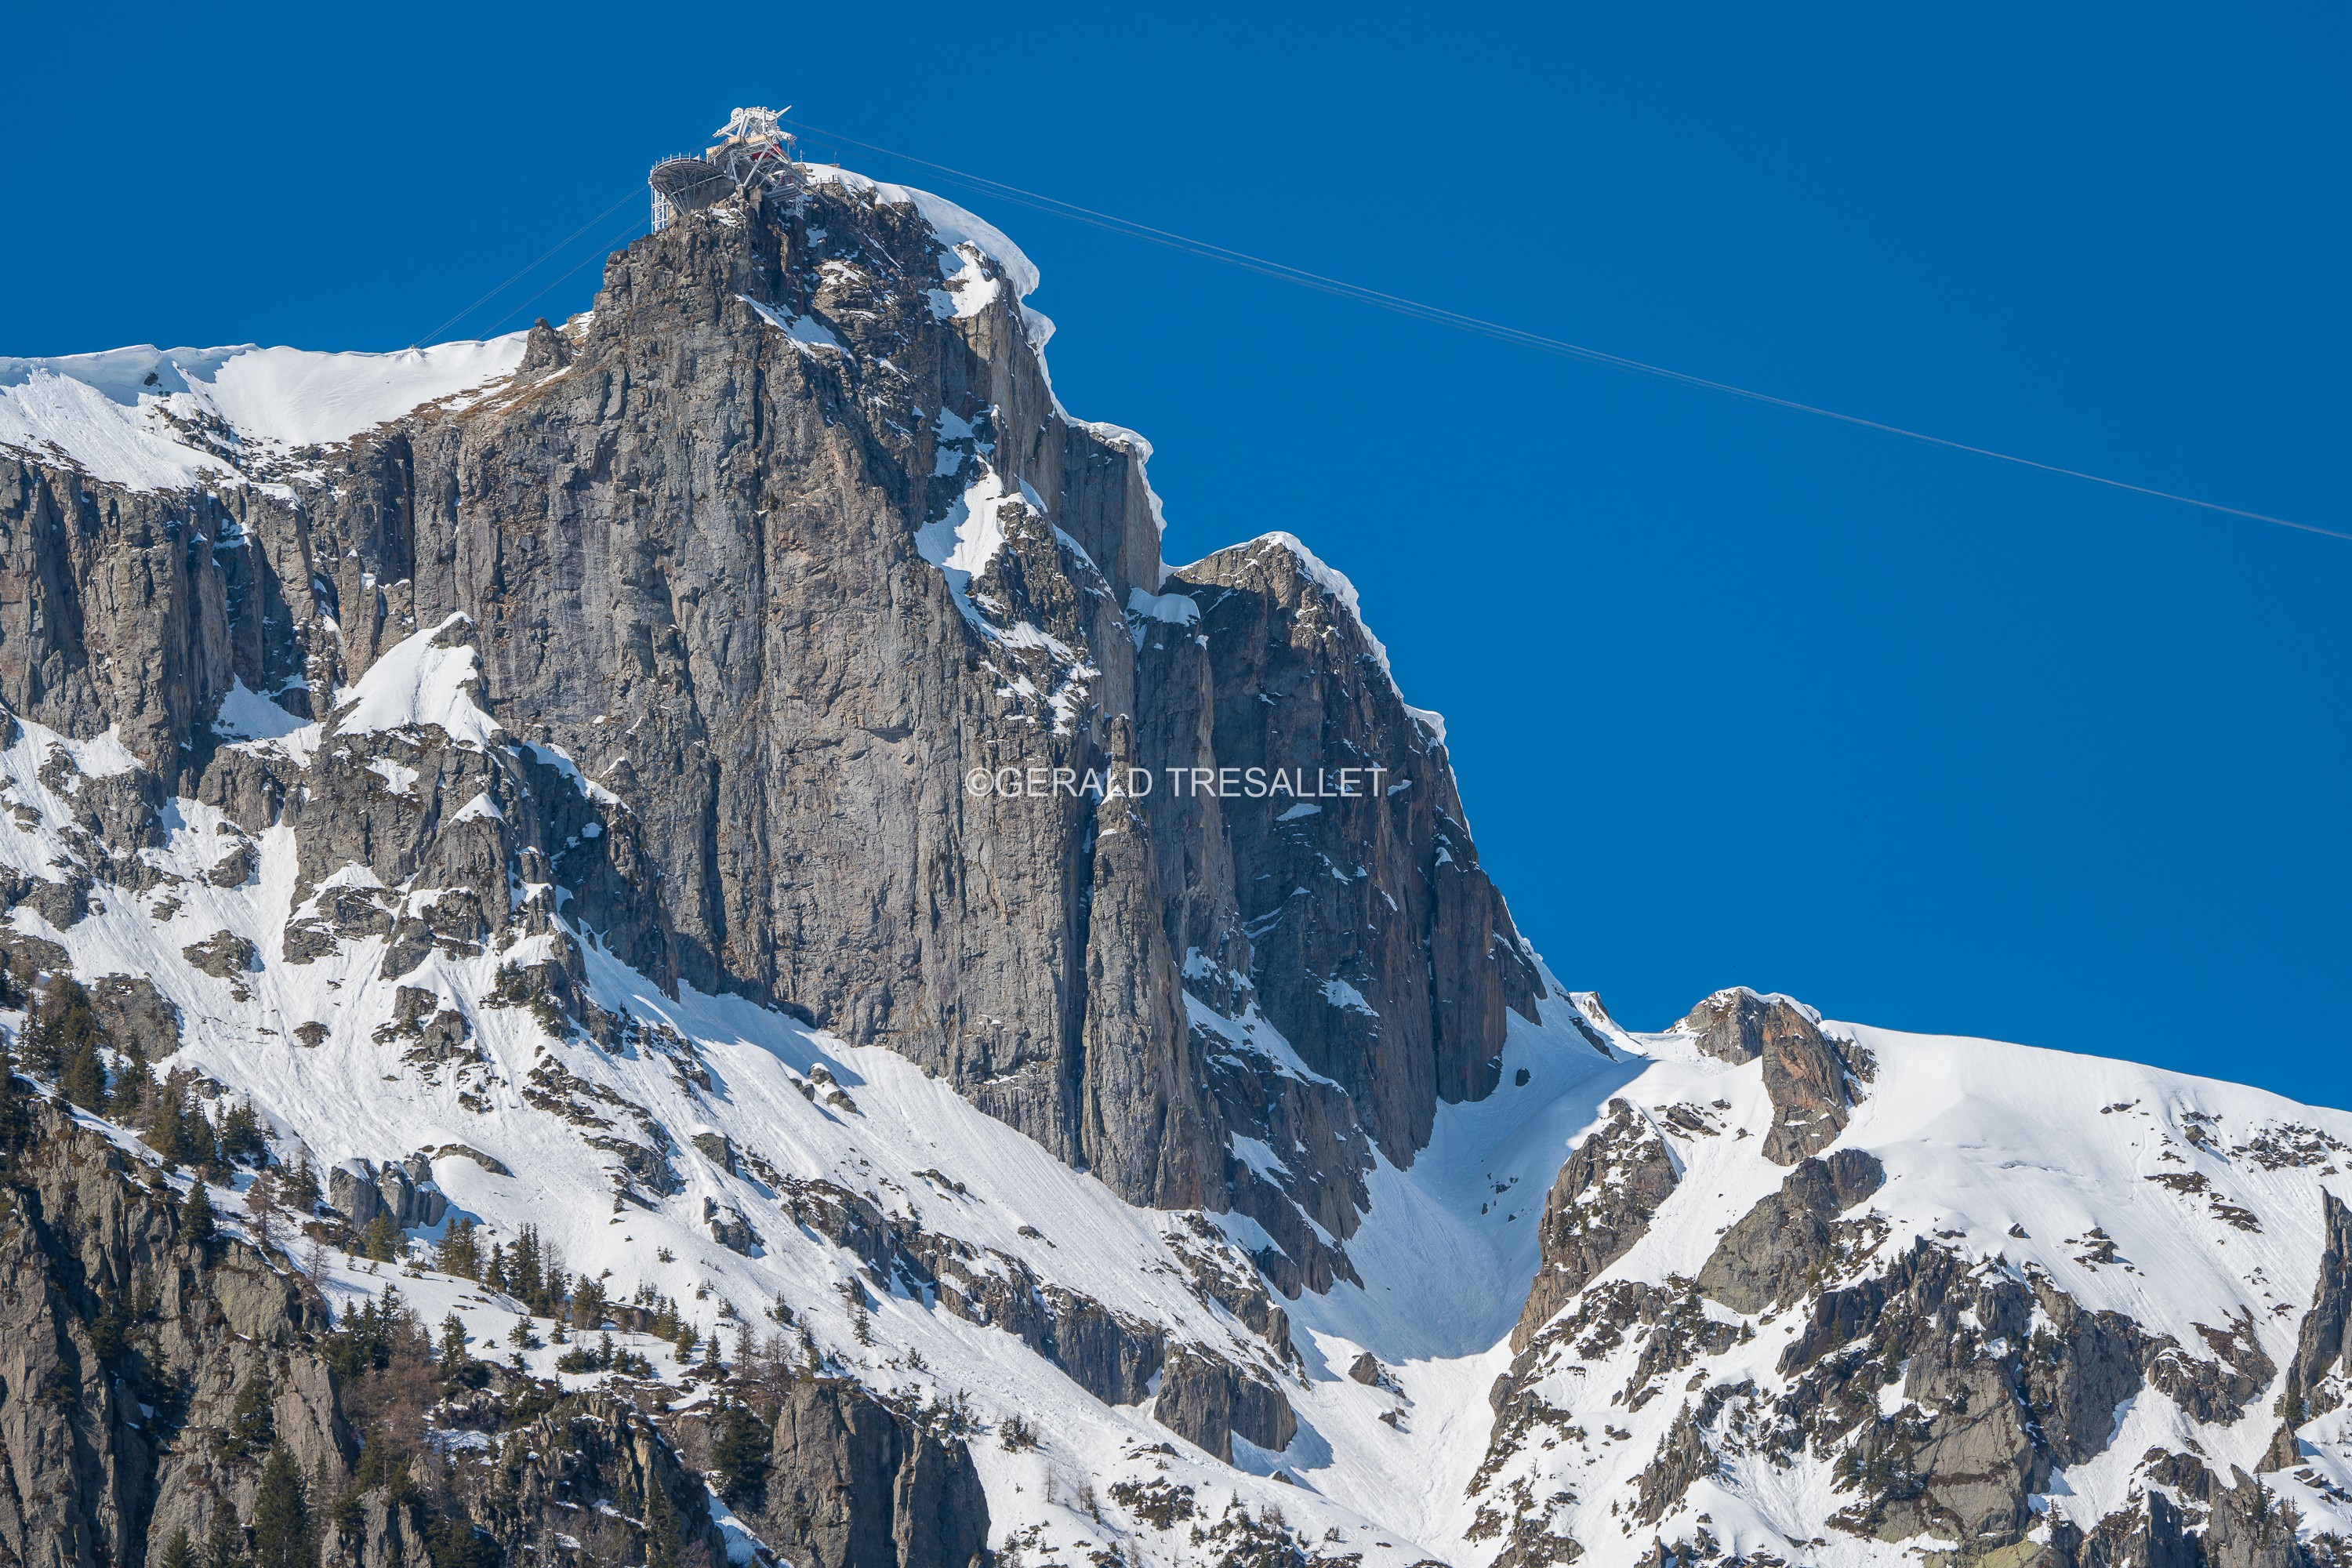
(1735, 695)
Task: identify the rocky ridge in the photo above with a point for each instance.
(526, 854)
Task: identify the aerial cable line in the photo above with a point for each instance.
(1510, 335)
(599, 253)
(632, 194)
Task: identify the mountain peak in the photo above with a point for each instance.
(688, 890)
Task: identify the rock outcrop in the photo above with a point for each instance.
(1208, 1401)
(1600, 1204)
(689, 779)
(854, 1484)
(1811, 1083)
(2313, 1388)
(1788, 1239)
(124, 1344)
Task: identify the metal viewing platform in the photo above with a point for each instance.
(752, 148)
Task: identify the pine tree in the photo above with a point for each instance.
(252, 1423)
(453, 1342)
(459, 1250)
(261, 1203)
(661, 1528)
(241, 1136)
(135, 1092)
(523, 1281)
(16, 1119)
(82, 1077)
(224, 1541)
(590, 1303)
(298, 1188)
(281, 1515)
(181, 1552)
(452, 1542)
(110, 1333)
(168, 1133)
(136, 1076)
(204, 1149)
(739, 1449)
(382, 1242)
(65, 1025)
(197, 1222)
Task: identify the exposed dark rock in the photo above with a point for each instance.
(853, 1484)
(1805, 1074)
(1599, 1206)
(463, 1152)
(674, 448)
(1730, 1024)
(1207, 1400)
(2217, 1389)
(1788, 1239)
(235, 866)
(729, 1227)
(2310, 1389)
(137, 1018)
(544, 350)
(1293, 683)
(83, 1239)
(223, 954)
(588, 1468)
(359, 1192)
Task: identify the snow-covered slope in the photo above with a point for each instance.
(2184, 1206)
(150, 418)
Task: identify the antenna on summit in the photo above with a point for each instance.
(752, 149)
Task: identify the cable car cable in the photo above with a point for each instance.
(1519, 336)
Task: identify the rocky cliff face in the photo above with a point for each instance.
(623, 874)
(159, 1371)
(778, 546)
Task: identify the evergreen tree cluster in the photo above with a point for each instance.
(530, 1270)
(741, 1445)
(283, 1532)
(178, 1130)
(604, 1356)
(283, 1536)
(367, 1338)
(64, 1041)
(252, 1424)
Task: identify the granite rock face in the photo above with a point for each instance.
(1602, 1202)
(686, 647)
(133, 1345)
(691, 544)
(854, 1484)
(1812, 1084)
(1939, 1376)
(1786, 1241)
